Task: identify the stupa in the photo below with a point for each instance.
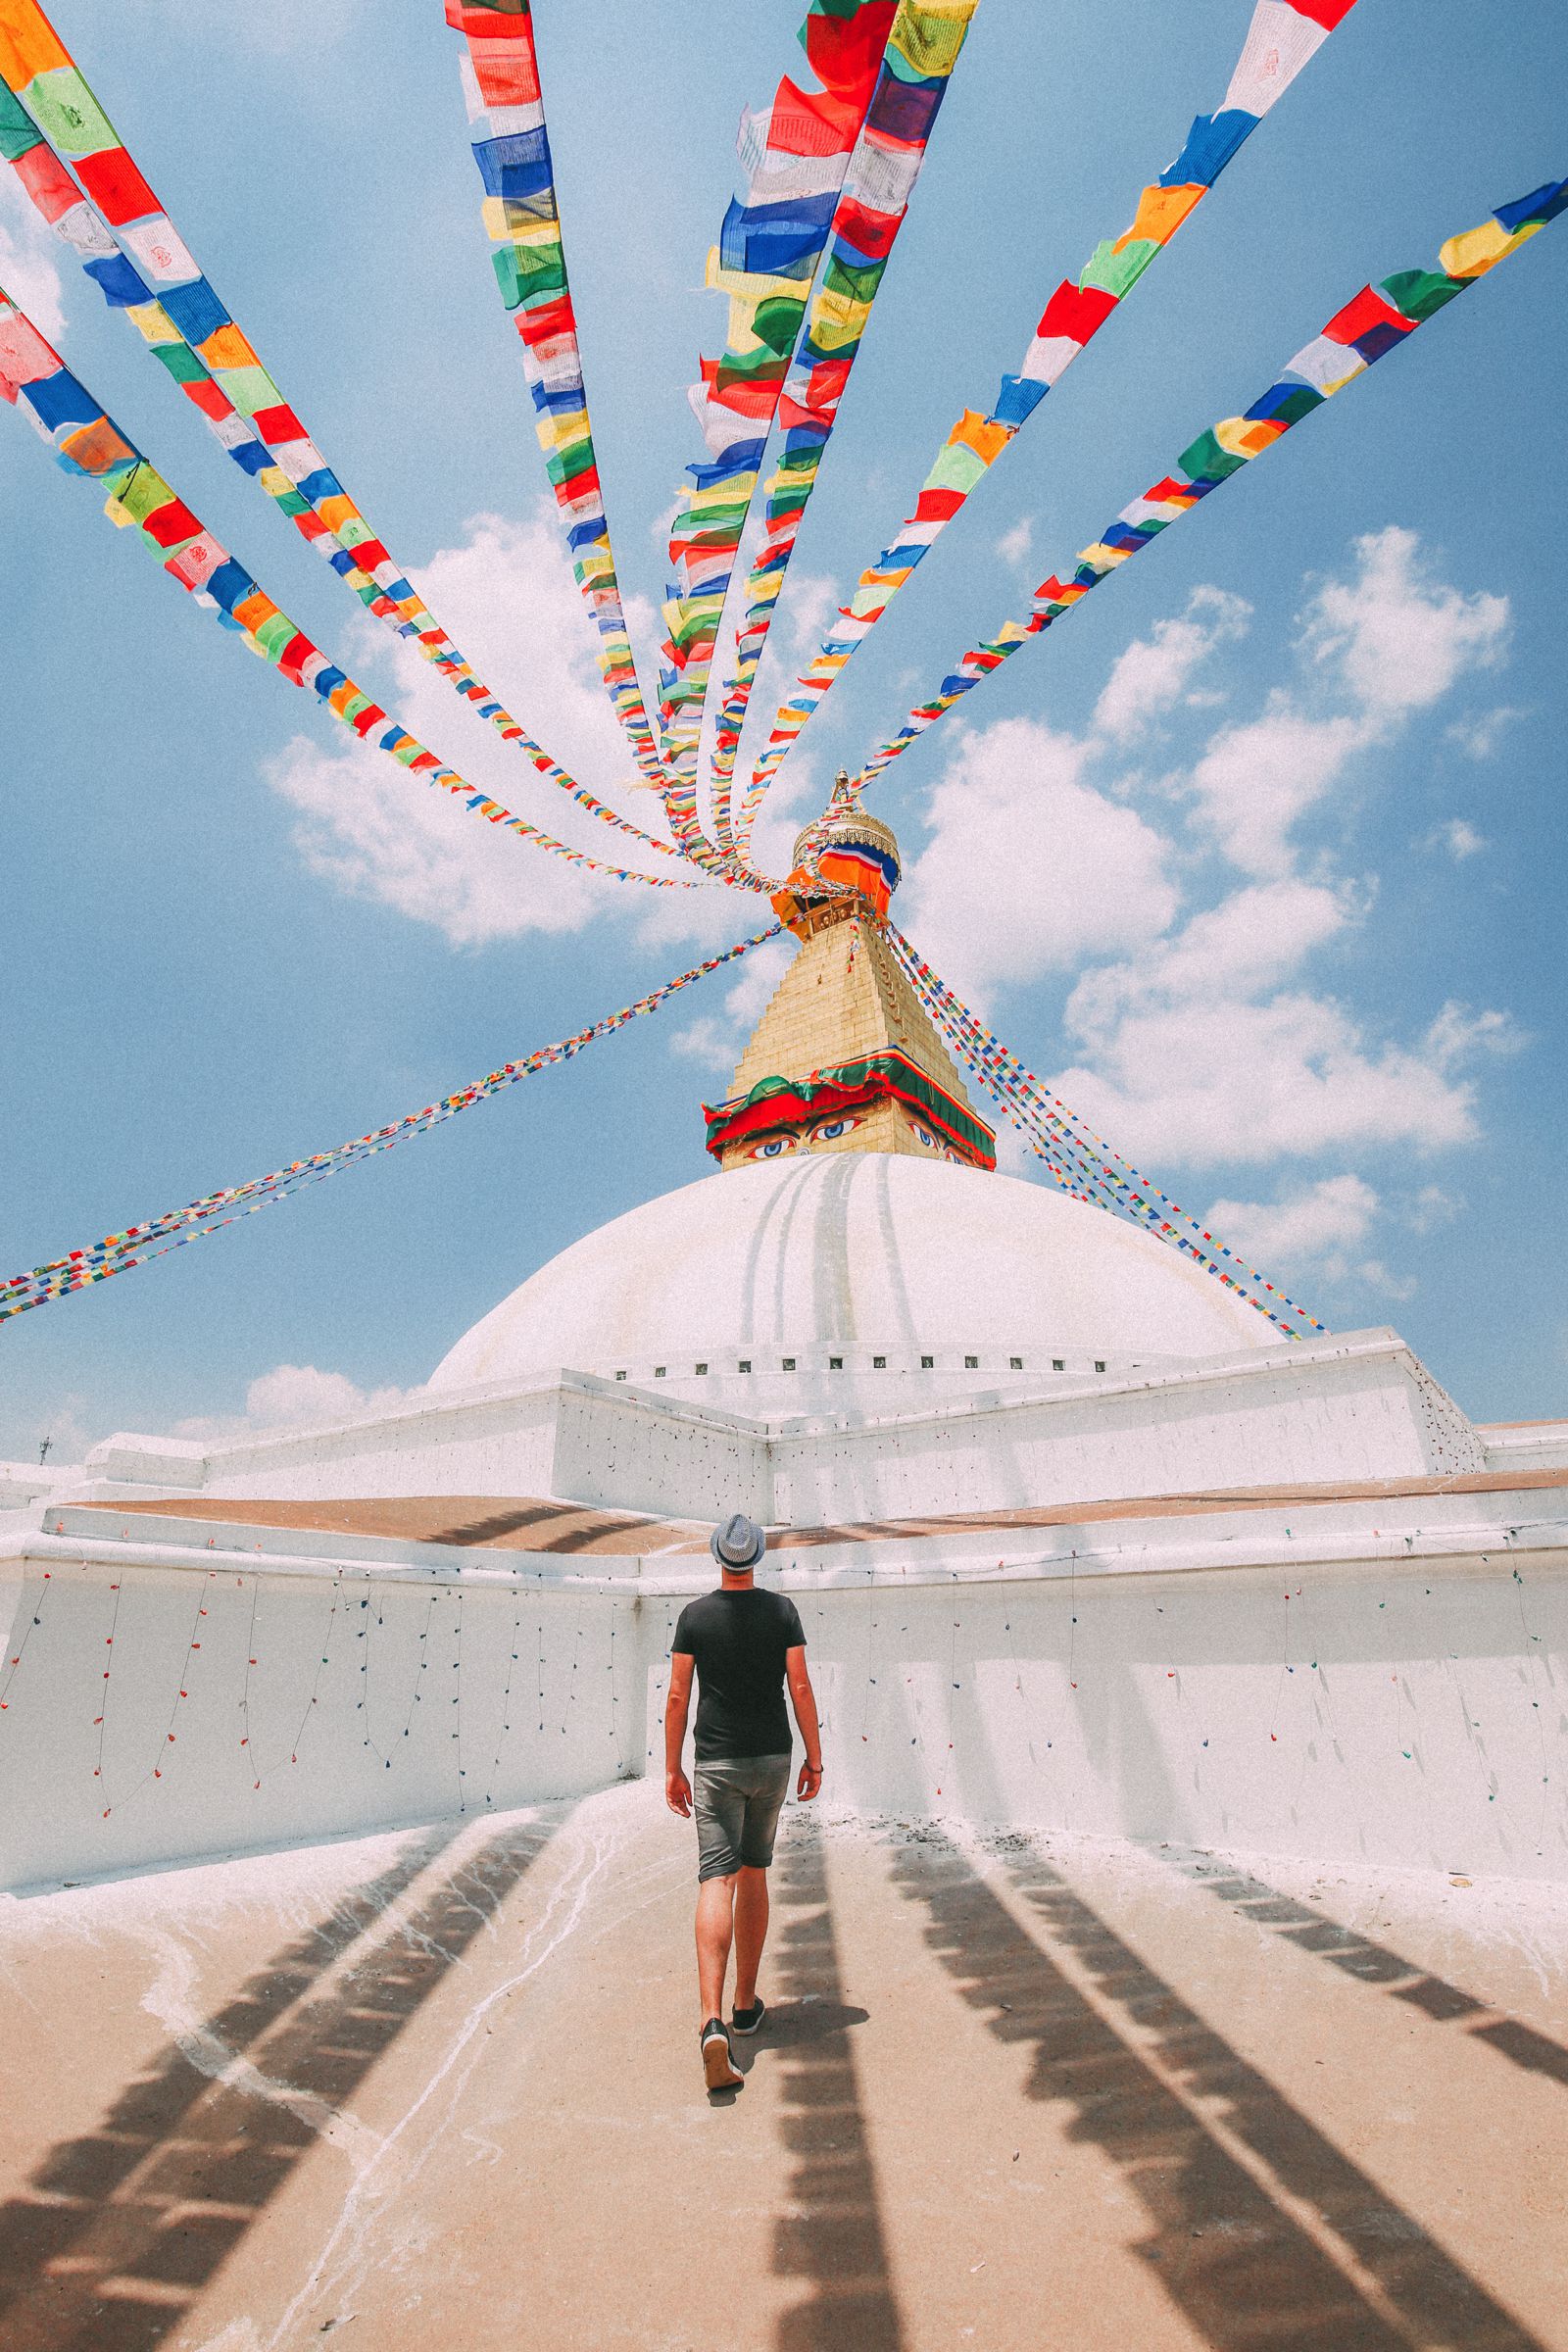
(1056, 1439)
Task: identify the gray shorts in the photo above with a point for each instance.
(737, 1801)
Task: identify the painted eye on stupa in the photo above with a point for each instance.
(924, 1135)
(774, 1148)
(831, 1129)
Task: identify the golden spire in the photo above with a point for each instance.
(844, 1058)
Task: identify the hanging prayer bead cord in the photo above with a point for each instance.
(521, 218)
(1040, 1113)
(922, 52)
(1283, 36)
(118, 1253)
(1376, 321)
(143, 268)
(87, 441)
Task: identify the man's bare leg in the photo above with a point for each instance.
(716, 1926)
(751, 1932)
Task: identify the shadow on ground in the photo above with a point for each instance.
(1174, 2109)
(1311, 1929)
(122, 2229)
(830, 2234)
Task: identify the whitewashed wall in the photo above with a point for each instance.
(1402, 1707)
(405, 1721)
(1403, 1716)
(1354, 1408)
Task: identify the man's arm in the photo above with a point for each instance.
(677, 1788)
(803, 1699)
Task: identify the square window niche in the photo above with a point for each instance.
(879, 1363)
(1058, 1363)
(789, 1363)
(1098, 1364)
(1016, 1363)
(658, 1371)
(701, 1368)
(928, 1363)
(835, 1363)
(971, 1363)
(620, 1375)
(745, 1364)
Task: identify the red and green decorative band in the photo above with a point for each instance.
(787, 1103)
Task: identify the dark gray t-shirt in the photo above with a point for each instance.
(738, 1643)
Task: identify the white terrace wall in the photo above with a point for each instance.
(1335, 1411)
(1328, 1692)
(1408, 1714)
(1354, 1407)
(317, 1702)
(579, 1437)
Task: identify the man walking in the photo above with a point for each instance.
(746, 1645)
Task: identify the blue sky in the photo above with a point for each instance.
(1260, 853)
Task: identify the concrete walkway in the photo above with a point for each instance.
(439, 2089)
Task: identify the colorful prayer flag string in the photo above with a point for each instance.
(50, 123)
(793, 157)
(118, 1253)
(1081, 1162)
(522, 219)
(87, 441)
(1283, 36)
(1376, 321)
(922, 51)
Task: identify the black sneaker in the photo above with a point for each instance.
(747, 2020)
(720, 2072)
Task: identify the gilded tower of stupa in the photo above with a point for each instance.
(844, 1058)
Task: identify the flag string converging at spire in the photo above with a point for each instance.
(793, 157)
(1082, 1162)
(922, 52)
(825, 180)
(79, 177)
(1372, 324)
(119, 1252)
(87, 441)
(522, 219)
(1282, 38)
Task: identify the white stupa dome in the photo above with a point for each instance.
(851, 1262)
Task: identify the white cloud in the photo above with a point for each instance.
(64, 1427)
(716, 1040)
(1393, 640)
(28, 271)
(1152, 674)
(1480, 733)
(1028, 869)
(1013, 546)
(293, 1396)
(1399, 639)
(1254, 940)
(1458, 1035)
(1203, 1043)
(1313, 1230)
(1458, 837)
(1229, 1080)
(1309, 1224)
(708, 1041)
(1429, 1208)
(1256, 780)
(506, 594)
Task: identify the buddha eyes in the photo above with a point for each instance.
(828, 1132)
(924, 1136)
